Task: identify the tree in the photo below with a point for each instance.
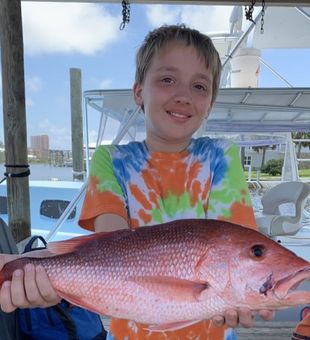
(273, 167)
(301, 135)
(264, 148)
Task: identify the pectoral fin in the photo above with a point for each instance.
(171, 288)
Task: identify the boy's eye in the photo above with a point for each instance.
(167, 80)
(201, 87)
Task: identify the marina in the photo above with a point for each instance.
(245, 114)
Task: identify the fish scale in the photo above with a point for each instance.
(172, 274)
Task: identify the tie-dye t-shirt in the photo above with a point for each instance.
(146, 188)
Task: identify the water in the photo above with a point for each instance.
(45, 172)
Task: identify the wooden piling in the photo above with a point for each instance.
(76, 124)
(14, 117)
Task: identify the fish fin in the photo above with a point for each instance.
(174, 326)
(80, 302)
(171, 288)
(38, 253)
(70, 245)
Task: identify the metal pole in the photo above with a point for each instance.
(275, 73)
(303, 12)
(244, 35)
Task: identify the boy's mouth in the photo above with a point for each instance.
(179, 115)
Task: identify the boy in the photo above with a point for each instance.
(169, 176)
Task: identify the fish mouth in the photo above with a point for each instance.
(285, 289)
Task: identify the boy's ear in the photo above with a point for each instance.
(137, 92)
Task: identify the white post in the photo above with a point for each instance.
(290, 165)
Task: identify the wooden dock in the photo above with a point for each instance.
(263, 330)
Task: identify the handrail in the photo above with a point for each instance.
(67, 212)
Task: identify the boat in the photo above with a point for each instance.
(55, 205)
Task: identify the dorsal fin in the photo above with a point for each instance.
(70, 245)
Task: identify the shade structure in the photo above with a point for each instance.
(236, 109)
(198, 2)
(284, 27)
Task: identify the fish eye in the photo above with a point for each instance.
(258, 250)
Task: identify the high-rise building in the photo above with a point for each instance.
(40, 143)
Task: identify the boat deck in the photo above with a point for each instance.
(268, 330)
(263, 330)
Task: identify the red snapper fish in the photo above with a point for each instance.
(174, 274)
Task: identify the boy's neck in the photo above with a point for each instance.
(155, 146)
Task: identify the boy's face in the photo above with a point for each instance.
(176, 94)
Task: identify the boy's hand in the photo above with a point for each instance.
(243, 317)
(29, 288)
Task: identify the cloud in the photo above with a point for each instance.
(67, 28)
(34, 84)
(162, 14)
(59, 136)
(29, 102)
(105, 83)
(207, 19)
(92, 137)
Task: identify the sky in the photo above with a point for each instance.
(60, 36)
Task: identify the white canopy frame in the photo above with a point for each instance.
(238, 110)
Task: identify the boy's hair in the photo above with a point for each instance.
(157, 38)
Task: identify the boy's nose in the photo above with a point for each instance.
(183, 95)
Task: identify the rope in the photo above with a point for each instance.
(14, 175)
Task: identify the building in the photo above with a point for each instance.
(40, 146)
(40, 143)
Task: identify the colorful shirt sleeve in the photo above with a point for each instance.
(229, 197)
(104, 194)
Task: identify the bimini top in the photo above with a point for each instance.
(235, 110)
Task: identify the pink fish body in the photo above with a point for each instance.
(175, 273)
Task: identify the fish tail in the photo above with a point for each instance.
(8, 269)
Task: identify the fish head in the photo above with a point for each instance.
(263, 273)
(244, 268)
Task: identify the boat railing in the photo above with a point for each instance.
(67, 212)
(126, 123)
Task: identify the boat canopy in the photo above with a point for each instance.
(242, 110)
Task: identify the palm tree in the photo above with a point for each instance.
(301, 135)
(264, 148)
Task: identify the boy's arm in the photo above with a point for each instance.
(109, 222)
(104, 206)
